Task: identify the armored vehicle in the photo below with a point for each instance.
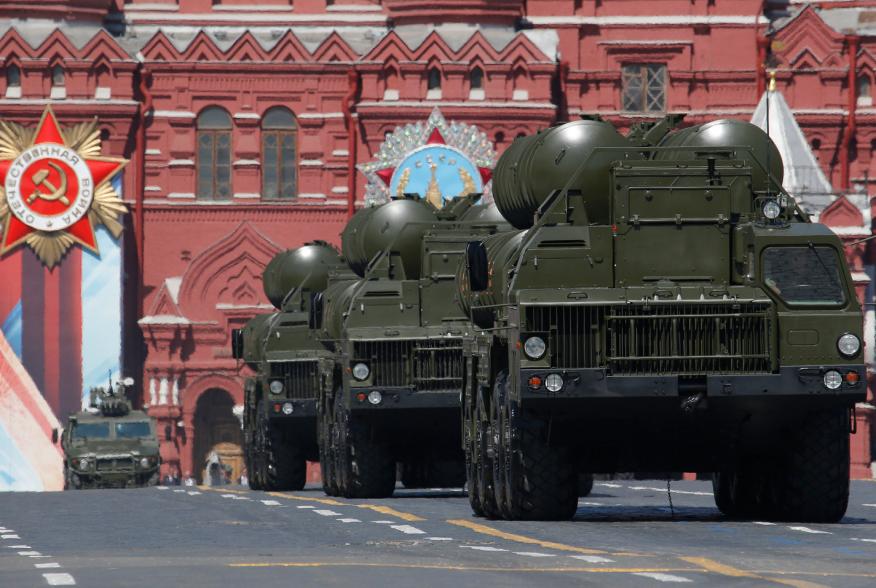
(392, 397)
(662, 306)
(279, 422)
(109, 445)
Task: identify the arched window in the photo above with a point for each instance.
(865, 98)
(57, 76)
(279, 154)
(433, 84)
(214, 153)
(476, 83)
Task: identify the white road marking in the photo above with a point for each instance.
(29, 553)
(654, 489)
(350, 520)
(440, 538)
(483, 548)
(871, 505)
(38, 556)
(408, 529)
(162, 488)
(9, 537)
(18, 546)
(764, 523)
(59, 579)
(385, 522)
(866, 540)
(591, 503)
(242, 498)
(179, 490)
(662, 577)
(534, 554)
(812, 531)
(50, 564)
(272, 503)
(593, 558)
(608, 485)
(305, 506)
(193, 493)
(327, 513)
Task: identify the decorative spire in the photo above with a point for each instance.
(772, 86)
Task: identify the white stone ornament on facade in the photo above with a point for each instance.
(174, 392)
(162, 392)
(436, 159)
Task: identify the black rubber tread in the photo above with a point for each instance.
(483, 445)
(812, 483)
(472, 468)
(473, 487)
(742, 494)
(326, 459)
(585, 485)
(284, 466)
(366, 468)
(501, 430)
(541, 482)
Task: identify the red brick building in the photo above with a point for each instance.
(244, 123)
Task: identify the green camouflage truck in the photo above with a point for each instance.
(279, 418)
(391, 398)
(662, 306)
(109, 445)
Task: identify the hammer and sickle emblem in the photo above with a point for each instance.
(40, 178)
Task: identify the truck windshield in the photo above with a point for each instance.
(804, 275)
(133, 429)
(91, 431)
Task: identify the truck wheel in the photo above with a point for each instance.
(541, 482)
(285, 466)
(415, 474)
(366, 468)
(742, 494)
(812, 483)
(472, 468)
(326, 460)
(486, 454)
(585, 485)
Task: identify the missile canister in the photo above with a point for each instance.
(306, 267)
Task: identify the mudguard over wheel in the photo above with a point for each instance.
(812, 482)
(365, 468)
(540, 482)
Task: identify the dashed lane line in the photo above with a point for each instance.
(271, 503)
(870, 505)
(305, 506)
(440, 538)
(327, 513)
(482, 548)
(662, 577)
(594, 559)
(463, 568)
(408, 529)
(29, 553)
(811, 531)
(655, 489)
(534, 554)
(18, 546)
(192, 492)
(316, 499)
(350, 520)
(866, 540)
(62, 579)
(713, 566)
(405, 516)
(43, 566)
(384, 522)
(764, 523)
(485, 530)
(10, 536)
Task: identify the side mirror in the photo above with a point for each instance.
(237, 343)
(54, 436)
(477, 266)
(315, 316)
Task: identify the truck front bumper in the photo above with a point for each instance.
(401, 399)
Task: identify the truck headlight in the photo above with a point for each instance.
(833, 380)
(361, 371)
(554, 382)
(534, 347)
(144, 462)
(771, 209)
(849, 345)
(276, 387)
(83, 464)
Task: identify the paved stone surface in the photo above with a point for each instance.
(624, 534)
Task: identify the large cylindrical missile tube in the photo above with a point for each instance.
(536, 165)
(306, 267)
(727, 133)
(398, 226)
(502, 249)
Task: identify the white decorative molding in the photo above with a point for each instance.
(477, 94)
(181, 163)
(13, 92)
(341, 153)
(152, 189)
(246, 115)
(162, 391)
(320, 115)
(153, 398)
(153, 152)
(174, 392)
(186, 195)
(103, 93)
(340, 190)
(314, 195)
(390, 95)
(247, 195)
(245, 162)
(173, 114)
(58, 93)
(310, 162)
(520, 95)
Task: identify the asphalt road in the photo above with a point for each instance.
(623, 535)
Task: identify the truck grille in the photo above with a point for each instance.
(658, 338)
(115, 464)
(425, 364)
(301, 378)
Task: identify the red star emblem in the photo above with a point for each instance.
(50, 188)
(435, 138)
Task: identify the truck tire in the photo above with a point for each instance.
(284, 465)
(585, 485)
(541, 483)
(742, 494)
(326, 458)
(486, 454)
(472, 467)
(365, 466)
(812, 482)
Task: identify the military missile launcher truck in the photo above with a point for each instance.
(663, 306)
(109, 445)
(396, 334)
(279, 424)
